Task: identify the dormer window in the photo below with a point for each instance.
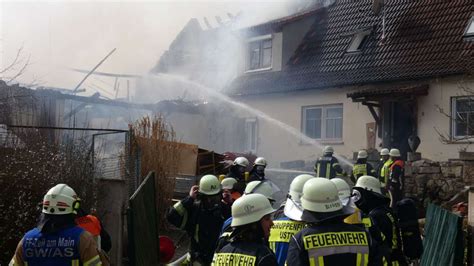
(358, 41)
(470, 28)
(260, 53)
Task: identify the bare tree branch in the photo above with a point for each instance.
(14, 62)
(21, 71)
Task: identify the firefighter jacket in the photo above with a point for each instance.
(333, 243)
(70, 246)
(240, 252)
(328, 167)
(280, 235)
(385, 172)
(397, 175)
(93, 225)
(382, 221)
(361, 168)
(202, 226)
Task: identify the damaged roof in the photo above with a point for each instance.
(422, 39)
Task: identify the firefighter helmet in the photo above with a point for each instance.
(60, 199)
(260, 187)
(362, 154)
(369, 183)
(320, 195)
(209, 185)
(260, 161)
(242, 161)
(394, 153)
(343, 189)
(328, 149)
(228, 183)
(249, 209)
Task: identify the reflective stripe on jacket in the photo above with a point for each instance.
(280, 234)
(335, 244)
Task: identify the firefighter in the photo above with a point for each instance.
(385, 172)
(288, 222)
(57, 240)
(92, 224)
(250, 228)
(327, 240)
(201, 214)
(396, 178)
(379, 218)
(258, 170)
(228, 192)
(238, 171)
(255, 187)
(361, 167)
(345, 196)
(328, 166)
(384, 156)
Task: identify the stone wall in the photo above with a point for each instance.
(438, 182)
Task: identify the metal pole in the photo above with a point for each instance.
(92, 71)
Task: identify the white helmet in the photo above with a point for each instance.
(228, 183)
(394, 153)
(369, 183)
(296, 186)
(242, 161)
(260, 187)
(293, 209)
(60, 199)
(209, 185)
(362, 154)
(328, 149)
(343, 189)
(249, 209)
(320, 195)
(260, 161)
(384, 151)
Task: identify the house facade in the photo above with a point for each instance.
(358, 78)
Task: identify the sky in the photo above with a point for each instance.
(59, 35)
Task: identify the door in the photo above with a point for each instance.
(399, 123)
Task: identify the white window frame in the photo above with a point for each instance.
(358, 40)
(454, 116)
(259, 39)
(249, 122)
(324, 119)
(470, 25)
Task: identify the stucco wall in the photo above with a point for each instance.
(278, 145)
(429, 118)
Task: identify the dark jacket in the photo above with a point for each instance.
(383, 220)
(202, 225)
(335, 243)
(242, 252)
(328, 167)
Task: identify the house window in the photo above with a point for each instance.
(463, 117)
(358, 41)
(470, 28)
(260, 53)
(251, 135)
(323, 122)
